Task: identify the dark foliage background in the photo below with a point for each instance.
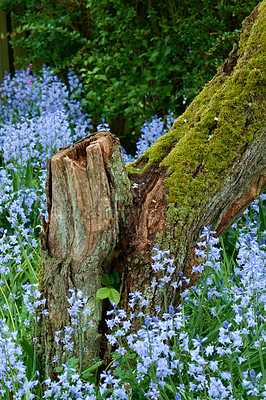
(137, 58)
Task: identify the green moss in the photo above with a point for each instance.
(132, 170)
(216, 128)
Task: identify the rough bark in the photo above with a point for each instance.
(205, 171)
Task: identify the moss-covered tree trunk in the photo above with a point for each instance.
(103, 216)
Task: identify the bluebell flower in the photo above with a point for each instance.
(103, 126)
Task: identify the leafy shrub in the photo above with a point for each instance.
(50, 32)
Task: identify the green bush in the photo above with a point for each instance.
(50, 32)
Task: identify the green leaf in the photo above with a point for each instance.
(96, 69)
(117, 84)
(73, 362)
(91, 95)
(116, 277)
(154, 55)
(100, 77)
(114, 296)
(262, 215)
(169, 387)
(106, 280)
(28, 350)
(91, 369)
(103, 293)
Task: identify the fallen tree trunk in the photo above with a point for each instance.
(103, 216)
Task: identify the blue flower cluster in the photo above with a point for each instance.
(202, 353)
(174, 354)
(150, 132)
(12, 369)
(37, 116)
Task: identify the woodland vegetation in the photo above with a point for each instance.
(128, 292)
(137, 59)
